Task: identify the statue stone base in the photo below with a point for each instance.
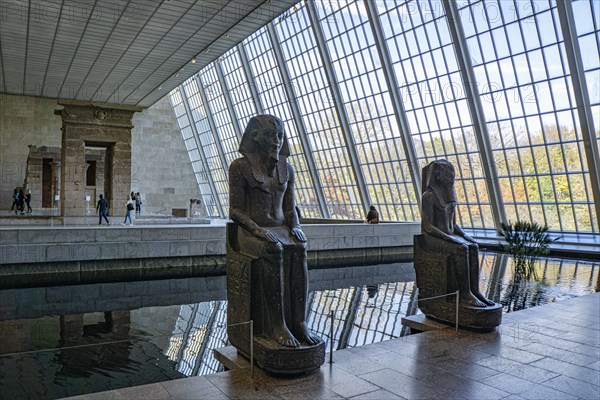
(245, 298)
(435, 277)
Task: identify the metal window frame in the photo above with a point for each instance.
(582, 100)
(212, 124)
(225, 90)
(476, 109)
(239, 90)
(211, 182)
(424, 102)
(293, 104)
(247, 70)
(398, 106)
(343, 120)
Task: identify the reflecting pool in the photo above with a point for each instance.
(64, 341)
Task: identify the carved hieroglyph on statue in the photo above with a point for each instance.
(447, 259)
(267, 274)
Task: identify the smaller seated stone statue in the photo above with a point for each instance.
(266, 254)
(446, 258)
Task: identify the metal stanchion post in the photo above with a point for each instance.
(331, 340)
(252, 349)
(457, 299)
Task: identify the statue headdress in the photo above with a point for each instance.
(430, 173)
(250, 149)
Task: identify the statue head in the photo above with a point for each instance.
(265, 135)
(439, 175)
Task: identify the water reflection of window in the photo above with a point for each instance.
(372, 313)
(362, 315)
(199, 330)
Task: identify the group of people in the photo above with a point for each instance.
(19, 201)
(134, 202)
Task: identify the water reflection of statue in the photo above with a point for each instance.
(443, 235)
(262, 204)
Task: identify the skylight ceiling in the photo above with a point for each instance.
(124, 52)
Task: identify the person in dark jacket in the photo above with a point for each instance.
(28, 202)
(373, 216)
(15, 204)
(21, 202)
(102, 207)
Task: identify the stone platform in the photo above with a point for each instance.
(546, 352)
(34, 256)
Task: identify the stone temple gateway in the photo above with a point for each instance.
(104, 127)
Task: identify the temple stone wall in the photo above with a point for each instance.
(23, 121)
(160, 171)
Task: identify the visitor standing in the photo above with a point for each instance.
(102, 208)
(130, 208)
(28, 201)
(138, 203)
(21, 202)
(15, 201)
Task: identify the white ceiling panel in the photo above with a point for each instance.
(128, 52)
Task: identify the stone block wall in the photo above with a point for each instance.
(161, 170)
(23, 121)
(34, 256)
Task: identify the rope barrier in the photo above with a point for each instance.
(457, 293)
(251, 323)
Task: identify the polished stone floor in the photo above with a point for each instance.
(550, 352)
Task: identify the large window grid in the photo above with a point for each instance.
(270, 86)
(321, 123)
(523, 78)
(530, 111)
(200, 170)
(434, 98)
(207, 141)
(218, 107)
(370, 113)
(239, 90)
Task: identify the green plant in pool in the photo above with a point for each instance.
(525, 242)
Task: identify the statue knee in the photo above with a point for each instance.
(301, 248)
(473, 247)
(463, 249)
(274, 249)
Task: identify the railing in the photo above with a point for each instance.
(444, 295)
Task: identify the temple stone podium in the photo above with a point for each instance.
(267, 274)
(447, 260)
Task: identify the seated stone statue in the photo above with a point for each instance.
(446, 258)
(261, 185)
(441, 233)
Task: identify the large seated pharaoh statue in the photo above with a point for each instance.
(267, 275)
(447, 259)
